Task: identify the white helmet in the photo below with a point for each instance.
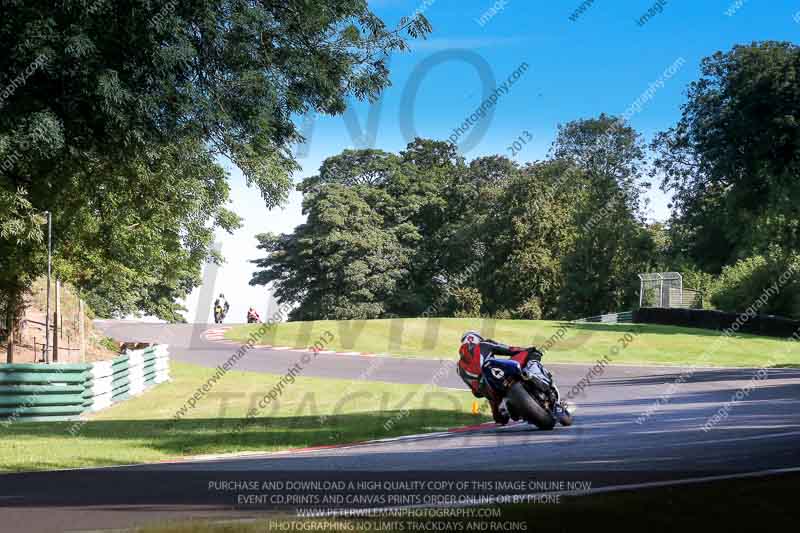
(471, 337)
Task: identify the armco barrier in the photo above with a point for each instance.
(66, 391)
(767, 325)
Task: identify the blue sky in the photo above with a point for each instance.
(601, 62)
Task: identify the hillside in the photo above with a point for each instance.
(29, 348)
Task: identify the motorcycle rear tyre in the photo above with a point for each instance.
(529, 409)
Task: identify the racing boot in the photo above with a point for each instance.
(499, 410)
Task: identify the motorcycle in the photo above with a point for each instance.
(219, 314)
(529, 393)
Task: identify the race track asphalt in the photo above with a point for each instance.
(633, 425)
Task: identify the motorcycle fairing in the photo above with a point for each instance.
(500, 374)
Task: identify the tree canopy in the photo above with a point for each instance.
(118, 119)
(565, 237)
(423, 232)
(733, 159)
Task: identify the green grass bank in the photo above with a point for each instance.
(310, 412)
(580, 343)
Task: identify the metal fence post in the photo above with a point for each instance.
(47, 306)
(80, 331)
(56, 321)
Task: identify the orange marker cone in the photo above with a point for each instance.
(475, 407)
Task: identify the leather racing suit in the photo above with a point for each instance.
(470, 364)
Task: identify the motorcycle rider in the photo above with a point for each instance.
(221, 307)
(474, 350)
(252, 316)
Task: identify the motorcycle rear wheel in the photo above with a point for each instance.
(529, 408)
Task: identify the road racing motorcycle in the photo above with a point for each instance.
(528, 393)
(219, 314)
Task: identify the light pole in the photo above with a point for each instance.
(47, 305)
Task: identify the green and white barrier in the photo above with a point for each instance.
(161, 364)
(65, 391)
(136, 373)
(102, 377)
(39, 392)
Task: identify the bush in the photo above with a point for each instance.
(531, 309)
(768, 284)
(699, 281)
(467, 302)
(109, 344)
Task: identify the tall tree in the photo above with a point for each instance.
(351, 168)
(612, 244)
(487, 237)
(150, 225)
(345, 261)
(529, 229)
(732, 162)
(126, 109)
(427, 192)
(373, 234)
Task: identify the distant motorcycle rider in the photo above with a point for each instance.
(252, 316)
(474, 350)
(221, 307)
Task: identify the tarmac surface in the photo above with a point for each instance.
(633, 425)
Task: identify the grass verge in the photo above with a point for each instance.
(310, 412)
(581, 343)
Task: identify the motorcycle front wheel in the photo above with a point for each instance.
(529, 409)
